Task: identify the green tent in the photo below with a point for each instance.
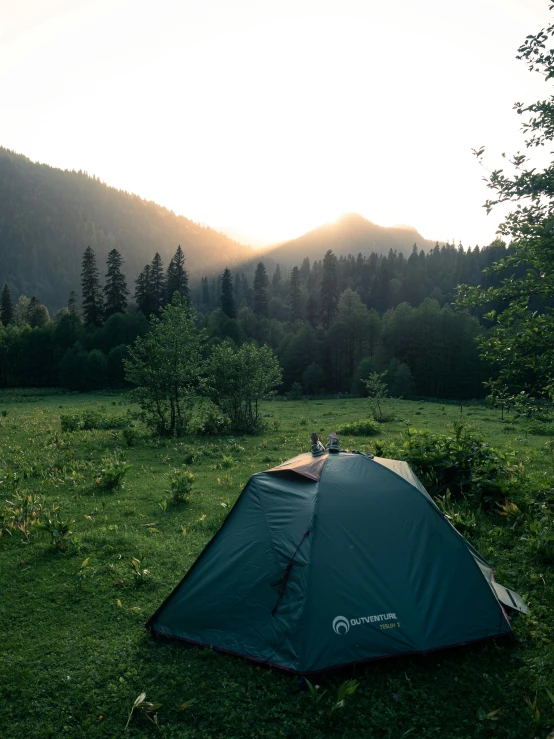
(334, 559)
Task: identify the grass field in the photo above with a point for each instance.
(73, 651)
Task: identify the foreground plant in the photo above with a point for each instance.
(181, 483)
(58, 527)
(20, 513)
(137, 568)
(112, 474)
(144, 709)
(345, 689)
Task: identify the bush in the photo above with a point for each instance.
(540, 428)
(461, 463)
(213, 421)
(295, 392)
(181, 482)
(365, 427)
(131, 435)
(89, 420)
(111, 475)
(239, 380)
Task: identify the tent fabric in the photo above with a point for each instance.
(358, 564)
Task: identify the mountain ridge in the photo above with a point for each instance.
(349, 234)
(48, 217)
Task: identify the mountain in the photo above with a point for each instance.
(49, 216)
(351, 234)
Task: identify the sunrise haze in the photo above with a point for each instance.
(268, 119)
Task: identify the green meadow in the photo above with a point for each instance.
(76, 593)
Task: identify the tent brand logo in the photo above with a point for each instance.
(341, 625)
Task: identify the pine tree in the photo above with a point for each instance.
(115, 289)
(295, 297)
(177, 277)
(312, 311)
(329, 289)
(157, 283)
(72, 305)
(90, 288)
(260, 290)
(143, 292)
(6, 307)
(276, 281)
(205, 291)
(227, 297)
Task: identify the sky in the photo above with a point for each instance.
(269, 118)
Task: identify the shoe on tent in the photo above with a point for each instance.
(333, 559)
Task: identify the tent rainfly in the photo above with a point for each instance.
(332, 559)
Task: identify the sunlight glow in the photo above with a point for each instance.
(273, 118)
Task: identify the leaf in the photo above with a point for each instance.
(139, 700)
(186, 704)
(85, 562)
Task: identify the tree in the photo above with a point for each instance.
(143, 292)
(72, 367)
(295, 296)
(37, 314)
(115, 289)
(90, 289)
(6, 306)
(95, 370)
(167, 368)
(329, 289)
(377, 393)
(20, 315)
(313, 379)
(72, 305)
(177, 277)
(227, 297)
(205, 291)
(276, 281)
(364, 369)
(240, 379)
(157, 283)
(520, 342)
(312, 311)
(260, 291)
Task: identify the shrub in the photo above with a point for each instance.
(365, 427)
(89, 420)
(213, 421)
(239, 380)
(130, 435)
(112, 474)
(181, 482)
(59, 528)
(295, 392)
(70, 422)
(540, 428)
(461, 463)
(20, 513)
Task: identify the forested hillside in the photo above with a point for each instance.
(48, 217)
(331, 321)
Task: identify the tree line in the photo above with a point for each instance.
(318, 319)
